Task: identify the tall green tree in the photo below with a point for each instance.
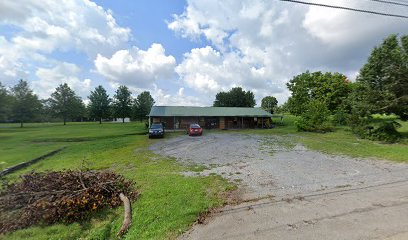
(330, 88)
(142, 105)
(383, 80)
(64, 103)
(26, 104)
(5, 103)
(122, 103)
(99, 105)
(269, 103)
(236, 97)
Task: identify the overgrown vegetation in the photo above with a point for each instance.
(381, 88)
(315, 118)
(383, 82)
(386, 132)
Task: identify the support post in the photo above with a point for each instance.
(174, 123)
(242, 122)
(149, 121)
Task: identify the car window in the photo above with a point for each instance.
(194, 126)
(156, 126)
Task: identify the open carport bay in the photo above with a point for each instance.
(290, 192)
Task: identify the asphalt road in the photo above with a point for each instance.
(290, 192)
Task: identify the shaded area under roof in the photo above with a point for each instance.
(181, 111)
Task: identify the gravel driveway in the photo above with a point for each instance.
(274, 169)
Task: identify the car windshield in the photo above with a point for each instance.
(195, 126)
(156, 126)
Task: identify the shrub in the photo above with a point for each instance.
(315, 118)
(340, 117)
(386, 132)
(359, 120)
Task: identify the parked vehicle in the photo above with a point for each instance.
(156, 130)
(194, 129)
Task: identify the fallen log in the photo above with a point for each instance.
(28, 163)
(127, 221)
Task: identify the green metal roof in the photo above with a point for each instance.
(170, 111)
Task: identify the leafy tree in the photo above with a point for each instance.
(284, 108)
(46, 113)
(383, 79)
(81, 113)
(315, 118)
(64, 103)
(5, 103)
(329, 88)
(142, 105)
(25, 104)
(122, 103)
(99, 106)
(269, 103)
(236, 97)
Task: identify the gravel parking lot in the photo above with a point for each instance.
(275, 165)
(271, 168)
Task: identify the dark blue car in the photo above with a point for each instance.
(156, 130)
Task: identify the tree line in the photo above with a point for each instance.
(322, 100)
(237, 97)
(19, 104)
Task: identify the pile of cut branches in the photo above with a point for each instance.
(60, 196)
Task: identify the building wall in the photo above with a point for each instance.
(213, 122)
(119, 120)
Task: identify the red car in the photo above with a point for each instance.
(194, 129)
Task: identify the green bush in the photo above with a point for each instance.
(359, 125)
(340, 117)
(315, 118)
(386, 132)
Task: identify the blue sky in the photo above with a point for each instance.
(184, 52)
(147, 19)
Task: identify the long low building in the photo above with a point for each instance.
(175, 117)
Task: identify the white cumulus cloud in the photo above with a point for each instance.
(42, 28)
(71, 24)
(260, 45)
(136, 67)
(164, 98)
(339, 28)
(50, 78)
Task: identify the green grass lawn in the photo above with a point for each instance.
(23, 144)
(169, 202)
